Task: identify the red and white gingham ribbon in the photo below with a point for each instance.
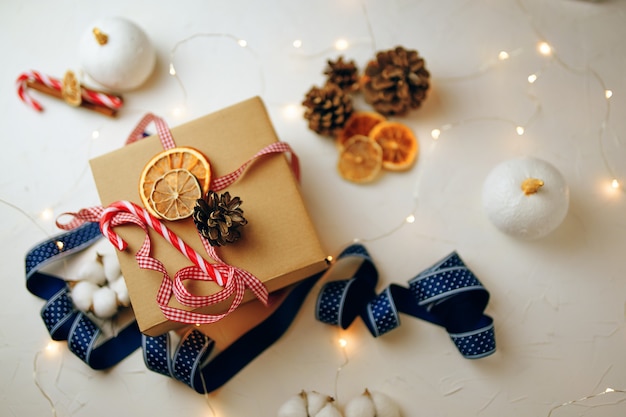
(224, 181)
(95, 97)
(108, 221)
(237, 279)
(163, 131)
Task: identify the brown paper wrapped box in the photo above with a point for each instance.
(279, 245)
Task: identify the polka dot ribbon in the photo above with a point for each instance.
(61, 318)
(185, 359)
(447, 294)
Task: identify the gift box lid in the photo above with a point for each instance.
(279, 245)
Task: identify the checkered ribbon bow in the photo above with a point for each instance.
(447, 294)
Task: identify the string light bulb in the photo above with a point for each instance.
(615, 184)
(544, 48)
(532, 78)
(341, 44)
(410, 218)
(519, 130)
(172, 69)
(46, 214)
(242, 42)
(608, 94)
(503, 55)
(435, 133)
(297, 43)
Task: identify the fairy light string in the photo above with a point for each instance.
(342, 44)
(579, 401)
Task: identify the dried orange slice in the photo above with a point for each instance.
(399, 145)
(359, 123)
(360, 159)
(176, 158)
(174, 194)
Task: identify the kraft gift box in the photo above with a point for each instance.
(279, 245)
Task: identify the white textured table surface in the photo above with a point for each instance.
(558, 303)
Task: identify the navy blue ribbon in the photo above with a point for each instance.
(447, 294)
(186, 362)
(61, 318)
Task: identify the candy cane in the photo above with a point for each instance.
(154, 223)
(95, 97)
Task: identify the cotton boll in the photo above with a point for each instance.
(82, 295)
(385, 406)
(361, 406)
(329, 410)
(92, 272)
(316, 401)
(294, 406)
(104, 303)
(121, 291)
(111, 267)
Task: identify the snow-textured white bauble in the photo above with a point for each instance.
(104, 303)
(526, 197)
(82, 295)
(117, 54)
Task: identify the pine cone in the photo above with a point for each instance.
(344, 74)
(396, 81)
(327, 109)
(219, 218)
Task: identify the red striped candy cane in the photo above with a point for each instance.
(154, 223)
(96, 97)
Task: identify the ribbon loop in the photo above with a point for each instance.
(62, 320)
(447, 294)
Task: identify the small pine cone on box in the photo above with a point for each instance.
(327, 109)
(396, 81)
(219, 218)
(344, 74)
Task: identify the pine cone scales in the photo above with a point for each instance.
(327, 109)
(219, 218)
(343, 74)
(396, 81)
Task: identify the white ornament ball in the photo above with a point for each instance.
(526, 197)
(82, 295)
(117, 54)
(104, 303)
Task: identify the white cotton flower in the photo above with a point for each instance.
(329, 410)
(92, 272)
(111, 267)
(295, 406)
(104, 303)
(316, 401)
(371, 404)
(119, 286)
(82, 295)
(309, 404)
(361, 406)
